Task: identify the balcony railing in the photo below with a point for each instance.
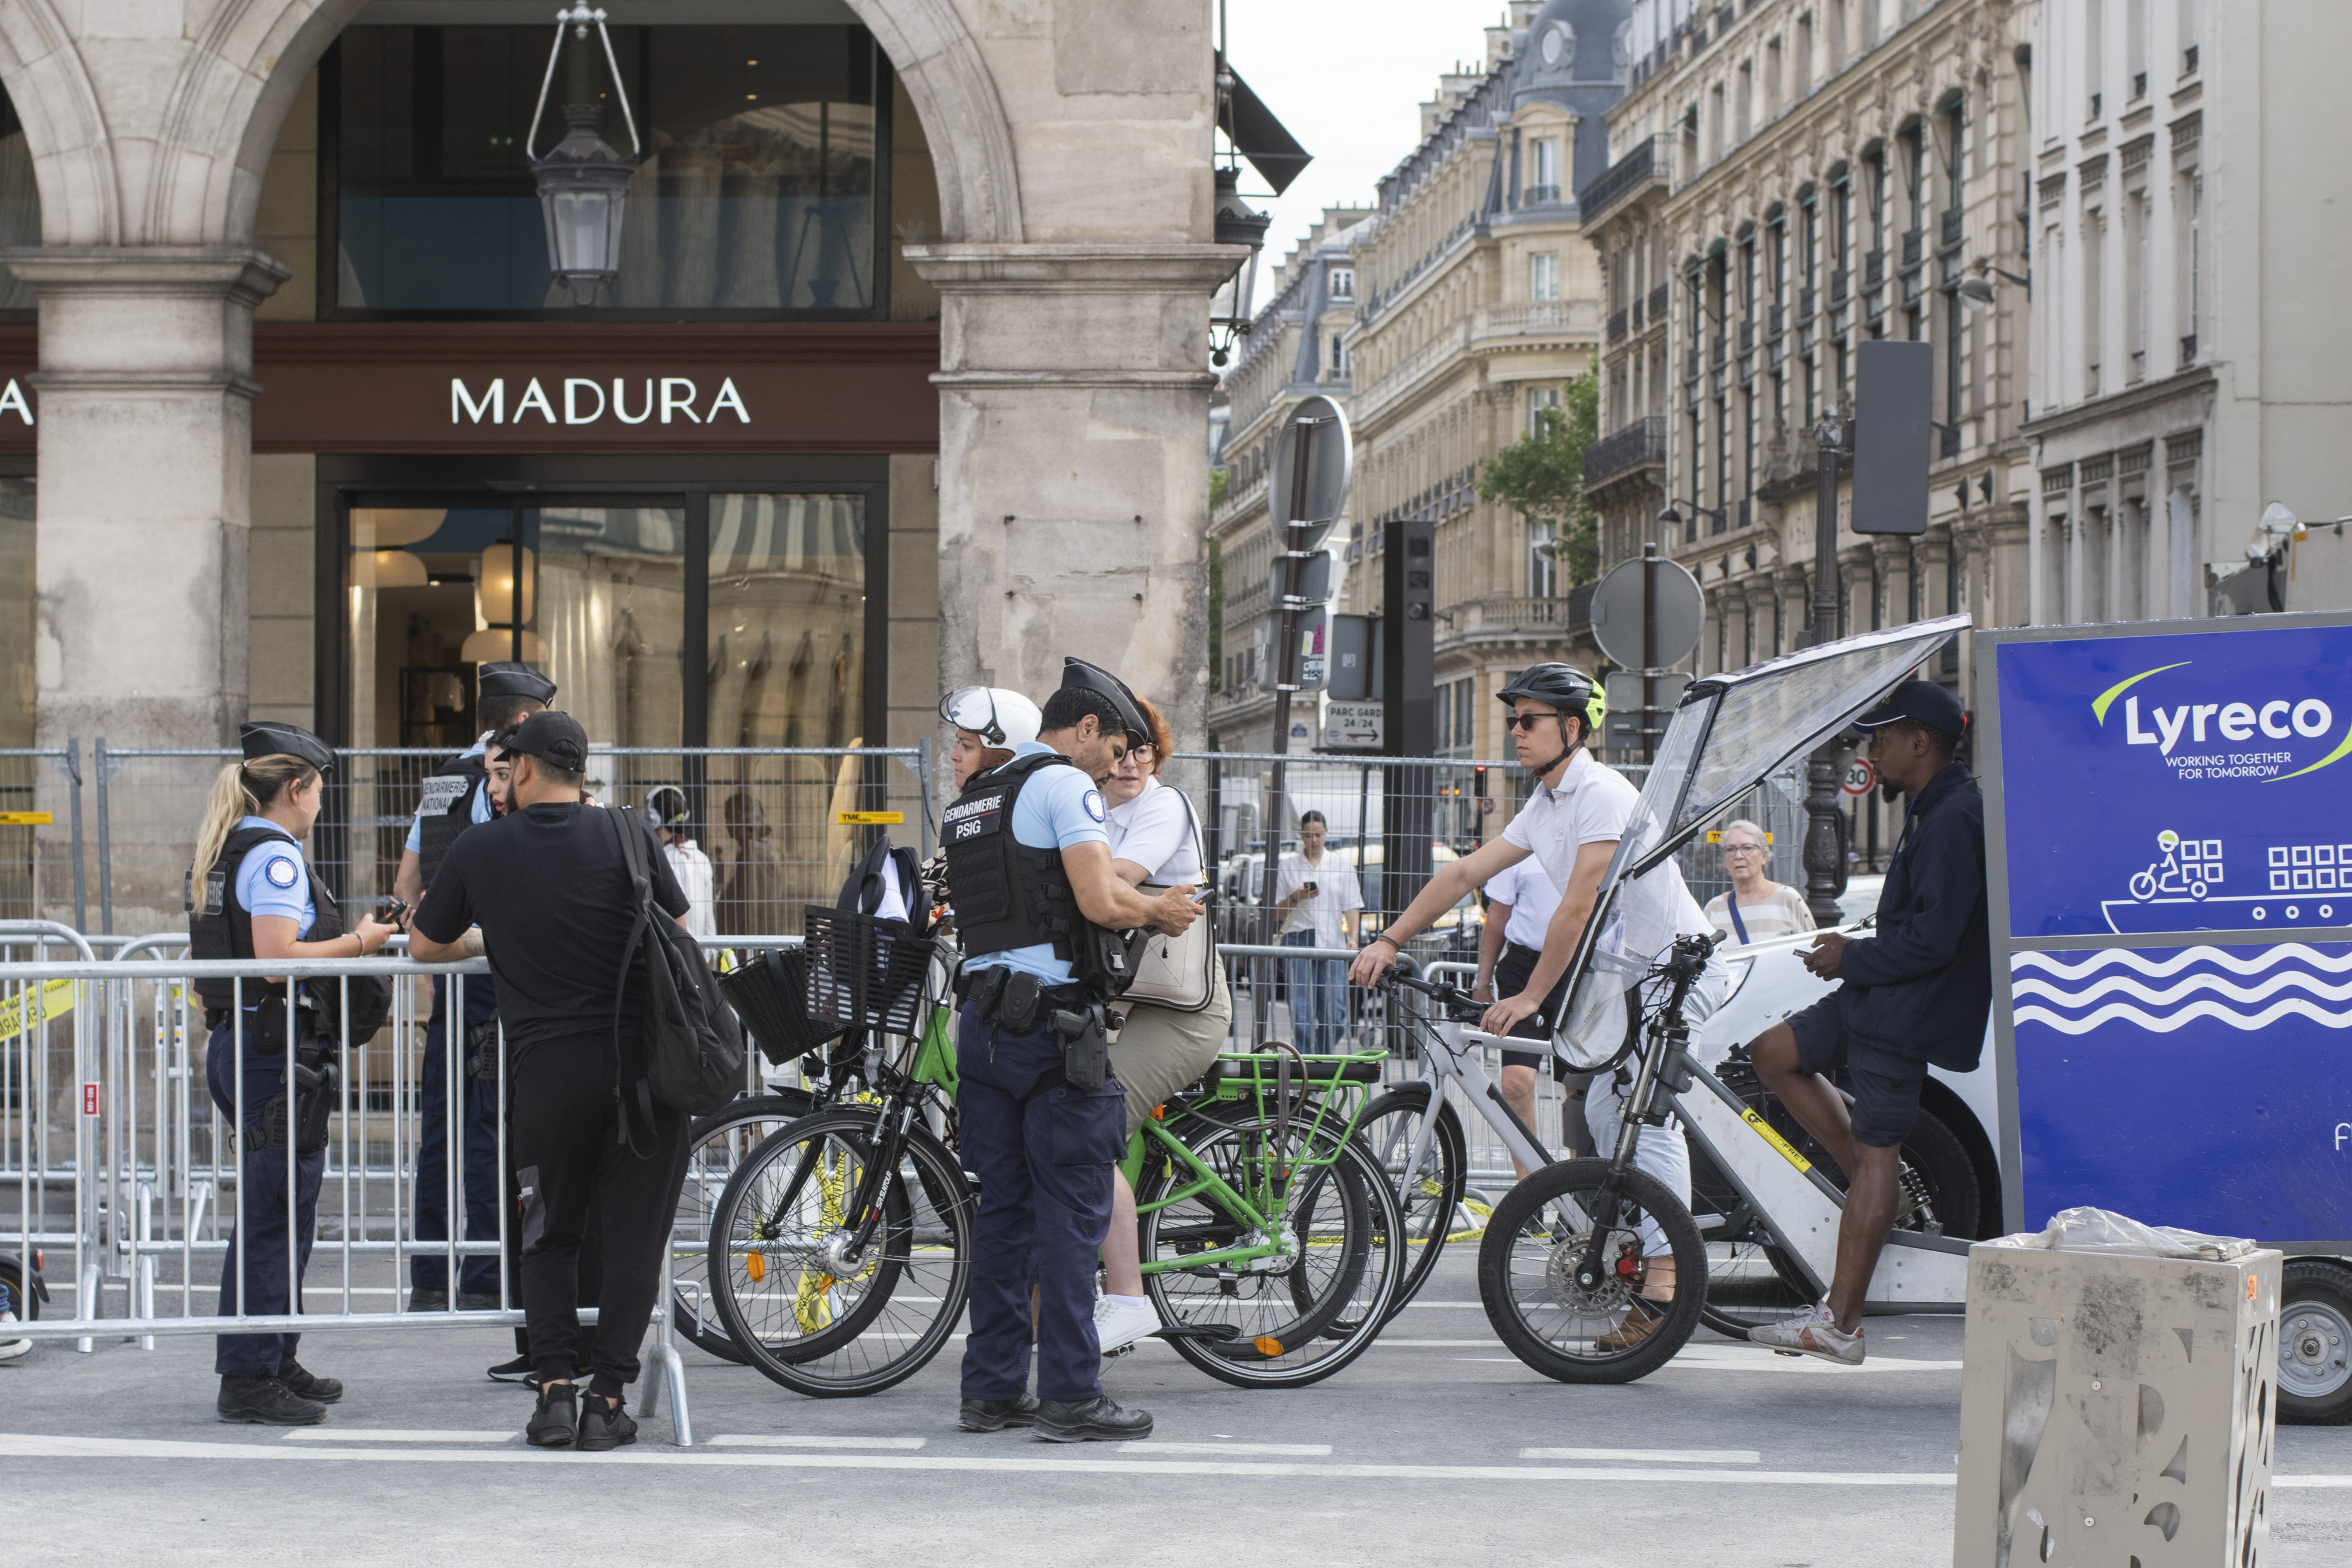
(1690, 365)
(1657, 295)
(1804, 304)
(2188, 350)
(1949, 439)
(1912, 244)
(1539, 196)
(1952, 217)
(1570, 612)
(1616, 325)
(1839, 280)
(1773, 321)
(1873, 268)
(1715, 352)
(1536, 318)
(1414, 366)
(1628, 446)
(1645, 162)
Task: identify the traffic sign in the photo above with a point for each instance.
(1623, 688)
(1352, 725)
(1331, 457)
(1315, 576)
(1860, 778)
(1617, 614)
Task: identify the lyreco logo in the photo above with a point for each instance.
(2236, 723)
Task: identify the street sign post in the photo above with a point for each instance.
(1308, 488)
(1647, 613)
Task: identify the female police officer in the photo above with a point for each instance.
(259, 899)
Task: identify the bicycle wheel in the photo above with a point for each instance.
(1535, 1244)
(1430, 1196)
(1297, 1316)
(780, 1233)
(715, 1144)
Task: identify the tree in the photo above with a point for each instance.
(1541, 477)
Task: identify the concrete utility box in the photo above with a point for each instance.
(2115, 1409)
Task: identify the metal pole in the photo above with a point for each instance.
(1649, 726)
(1285, 673)
(70, 766)
(1824, 867)
(105, 845)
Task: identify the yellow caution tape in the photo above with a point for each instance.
(869, 818)
(1764, 1129)
(55, 999)
(25, 818)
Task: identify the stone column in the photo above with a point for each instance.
(1759, 589)
(145, 460)
(1074, 497)
(1891, 554)
(1854, 570)
(1795, 586)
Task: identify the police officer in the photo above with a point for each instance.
(1043, 1122)
(456, 797)
(259, 899)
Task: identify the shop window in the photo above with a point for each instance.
(758, 193)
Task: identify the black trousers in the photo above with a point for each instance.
(568, 1155)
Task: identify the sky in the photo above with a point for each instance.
(1348, 77)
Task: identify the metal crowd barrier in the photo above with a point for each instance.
(781, 825)
(121, 1159)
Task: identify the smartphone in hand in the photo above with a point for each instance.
(395, 912)
(1309, 889)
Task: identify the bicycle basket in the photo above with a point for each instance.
(863, 973)
(770, 994)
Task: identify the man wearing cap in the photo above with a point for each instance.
(456, 797)
(1042, 1121)
(1915, 994)
(544, 893)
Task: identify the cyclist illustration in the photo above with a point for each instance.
(2167, 877)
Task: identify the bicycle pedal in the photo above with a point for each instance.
(1110, 1355)
(1217, 1333)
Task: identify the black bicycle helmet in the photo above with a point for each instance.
(1566, 688)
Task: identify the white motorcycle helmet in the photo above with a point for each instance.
(1002, 717)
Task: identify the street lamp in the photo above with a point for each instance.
(1977, 293)
(1674, 519)
(1237, 223)
(583, 183)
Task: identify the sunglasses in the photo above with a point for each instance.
(1528, 721)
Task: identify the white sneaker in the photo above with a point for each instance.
(10, 1349)
(1813, 1332)
(1120, 1321)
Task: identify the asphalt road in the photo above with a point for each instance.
(1437, 1446)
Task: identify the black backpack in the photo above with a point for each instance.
(691, 1056)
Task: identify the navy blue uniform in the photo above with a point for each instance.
(429, 1270)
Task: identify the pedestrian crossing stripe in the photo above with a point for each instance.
(54, 998)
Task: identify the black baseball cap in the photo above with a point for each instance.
(555, 738)
(270, 739)
(507, 678)
(1922, 702)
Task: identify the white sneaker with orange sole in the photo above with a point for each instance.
(1814, 1332)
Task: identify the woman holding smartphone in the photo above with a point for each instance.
(1155, 841)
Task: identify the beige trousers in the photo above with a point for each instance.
(1159, 1050)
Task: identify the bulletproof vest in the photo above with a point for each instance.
(221, 927)
(446, 808)
(1006, 895)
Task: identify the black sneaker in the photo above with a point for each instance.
(995, 1415)
(535, 1380)
(1090, 1420)
(428, 1301)
(603, 1427)
(478, 1300)
(518, 1370)
(266, 1402)
(556, 1422)
(304, 1384)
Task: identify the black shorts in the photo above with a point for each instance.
(1885, 1087)
(1511, 972)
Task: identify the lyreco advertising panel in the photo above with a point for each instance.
(2173, 911)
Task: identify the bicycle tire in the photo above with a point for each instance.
(1347, 1248)
(887, 1333)
(1559, 1198)
(714, 1145)
(1433, 1197)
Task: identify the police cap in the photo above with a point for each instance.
(271, 739)
(1095, 678)
(508, 679)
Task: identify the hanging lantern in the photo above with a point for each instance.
(583, 183)
(1236, 222)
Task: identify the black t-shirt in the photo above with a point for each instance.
(550, 890)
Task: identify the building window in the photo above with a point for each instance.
(2094, 53)
(1338, 358)
(1543, 171)
(757, 192)
(2189, 204)
(1343, 282)
(1543, 274)
(1538, 400)
(1543, 562)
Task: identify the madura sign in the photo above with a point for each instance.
(585, 402)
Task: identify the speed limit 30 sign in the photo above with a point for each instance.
(1860, 778)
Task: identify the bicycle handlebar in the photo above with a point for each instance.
(1453, 998)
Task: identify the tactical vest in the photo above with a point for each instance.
(221, 927)
(1006, 895)
(446, 808)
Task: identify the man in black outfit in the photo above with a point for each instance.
(549, 892)
(1915, 994)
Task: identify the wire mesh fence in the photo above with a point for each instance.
(780, 826)
(41, 868)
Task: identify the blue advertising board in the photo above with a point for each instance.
(2172, 908)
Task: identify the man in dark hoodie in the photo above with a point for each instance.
(1915, 995)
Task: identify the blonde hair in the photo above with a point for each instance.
(1736, 823)
(241, 789)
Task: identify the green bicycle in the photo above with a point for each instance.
(840, 1251)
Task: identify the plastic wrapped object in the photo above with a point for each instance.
(770, 994)
(2104, 1231)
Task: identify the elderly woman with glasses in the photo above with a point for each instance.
(1756, 907)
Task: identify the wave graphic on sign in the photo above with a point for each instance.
(2201, 987)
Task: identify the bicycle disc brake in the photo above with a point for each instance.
(1616, 1290)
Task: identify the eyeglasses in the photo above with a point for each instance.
(1528, 721)
(1743, 849)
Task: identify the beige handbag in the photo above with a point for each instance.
(1179, 973)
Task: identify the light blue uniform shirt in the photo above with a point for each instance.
(481, 813)
(1058, 806)
(274, 879)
